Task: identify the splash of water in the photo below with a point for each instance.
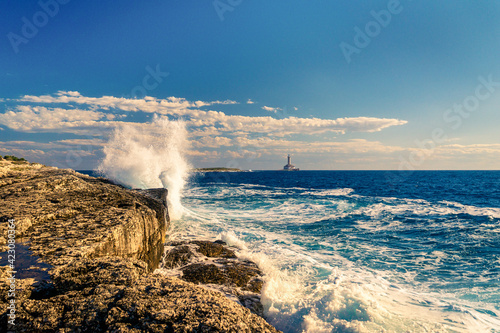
(148, 156)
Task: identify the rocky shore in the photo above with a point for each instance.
(86, 254)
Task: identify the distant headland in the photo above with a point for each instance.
(218, 169)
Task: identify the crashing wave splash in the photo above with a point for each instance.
(147, 156)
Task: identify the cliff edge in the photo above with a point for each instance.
(84, 253)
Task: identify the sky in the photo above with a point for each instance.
(374, 85)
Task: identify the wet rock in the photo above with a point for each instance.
(102, 243)
(159, 194)
(216, 266)
(115, 295)
(241, 273)
(178, 256)
(204, 273)
(225, 273)
(214, 249)
(253, 303)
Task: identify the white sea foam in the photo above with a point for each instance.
(322, 291)
(149, 156)
(473, 210)
(296, 300)
(418, 207)
(333, 192)
(232, 240)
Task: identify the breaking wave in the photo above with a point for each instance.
(149, 155)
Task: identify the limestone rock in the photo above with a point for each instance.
(215, 266)
(101, 242)
(68, 215)
(117, 295)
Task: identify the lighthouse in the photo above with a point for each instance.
(289, 166)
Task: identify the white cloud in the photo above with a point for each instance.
(273, 146)
(148, 104)
(38, 118)
(205, 153)
(204, 131)
(56, 153)
(291, 125)
(170, 105)
(270, 109)
(70, 93)
(226, 102)
(457, 149)
(212, 142)
(32, 118)
(83, 142)
(209, 130)
(59, 144)
(31, 144)
(29, 154)
(248, 154)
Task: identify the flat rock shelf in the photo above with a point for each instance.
(94, 247)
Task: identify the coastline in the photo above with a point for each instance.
(100, 244)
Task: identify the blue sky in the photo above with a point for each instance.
(421, 91)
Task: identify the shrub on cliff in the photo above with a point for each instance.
(14, 158)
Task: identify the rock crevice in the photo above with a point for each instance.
(68, 215)
(100, 242)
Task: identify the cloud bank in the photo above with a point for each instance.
(29, 117)
(213, 133)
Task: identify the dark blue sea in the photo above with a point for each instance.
(360, 251)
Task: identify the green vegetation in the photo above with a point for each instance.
(14, 158)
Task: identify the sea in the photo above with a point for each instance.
(341, 251)
(359, 251)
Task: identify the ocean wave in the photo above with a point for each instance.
(339, 261)
(314, 296)
(416, 207)
(333, 192)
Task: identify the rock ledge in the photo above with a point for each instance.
(99, 243)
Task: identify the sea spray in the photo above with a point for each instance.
(147, 156)
(341, 252)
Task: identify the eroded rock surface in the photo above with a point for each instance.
(68, 215)
(102, 243)
(216, 266)
(116, 295)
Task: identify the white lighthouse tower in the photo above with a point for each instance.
(289, 166)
